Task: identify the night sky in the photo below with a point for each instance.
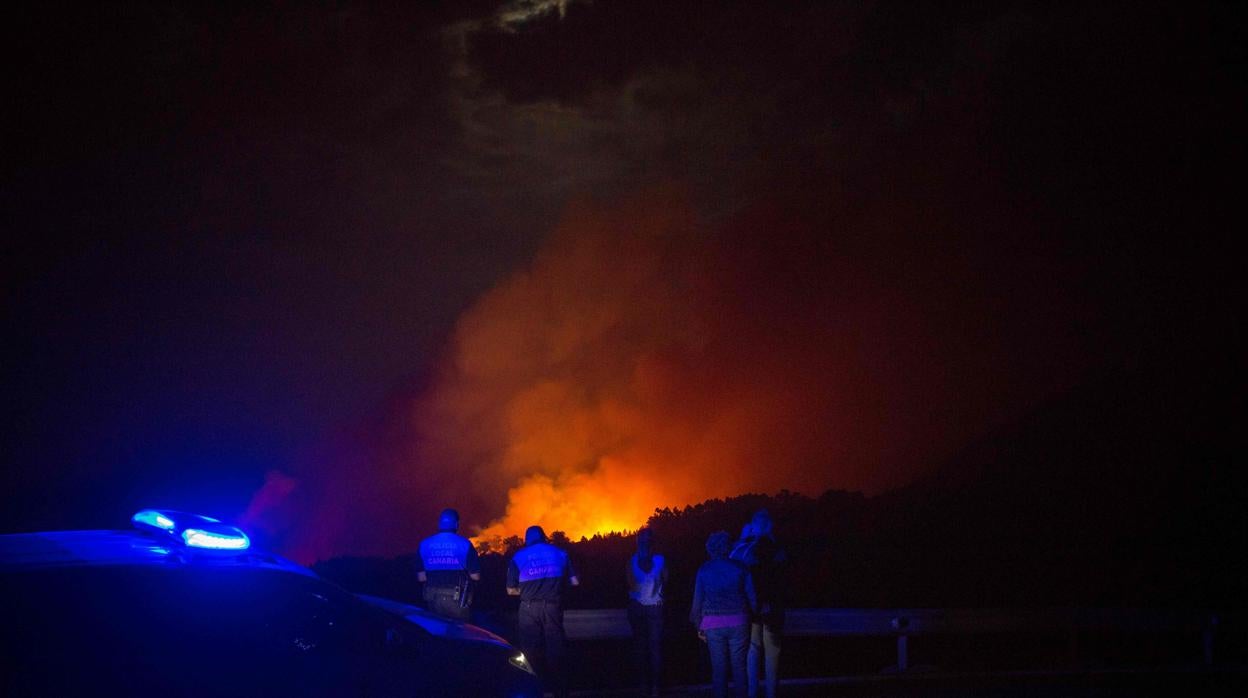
(547, 255)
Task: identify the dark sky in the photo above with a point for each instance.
(235, 235)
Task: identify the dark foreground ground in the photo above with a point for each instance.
(1105, 664)
(1100, 684)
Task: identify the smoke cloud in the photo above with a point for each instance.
(648, 357)
(841, 288)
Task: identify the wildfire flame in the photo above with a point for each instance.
(604, 501)
(645, 360)
(619, 374)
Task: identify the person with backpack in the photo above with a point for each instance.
(759, 551)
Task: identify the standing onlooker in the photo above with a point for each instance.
(646, 574)
(537, 574)
(446, 562)
(723, 599)
(766, 559)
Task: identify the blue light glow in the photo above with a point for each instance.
(199, 538)
(155, 519)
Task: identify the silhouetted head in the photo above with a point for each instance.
(761, 523)
(718, 545)
(448, 520)
(747, 531)
(644, 538)
(645, 555)
(534, 534)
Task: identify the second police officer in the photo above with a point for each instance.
(537, 574)
(447, 562)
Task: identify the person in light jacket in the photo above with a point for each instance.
(723, 602)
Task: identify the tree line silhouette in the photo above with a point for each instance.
(1122, 493)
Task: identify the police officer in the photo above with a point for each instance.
(538, 574)
(445, 563)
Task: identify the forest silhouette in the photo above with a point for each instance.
(1122, 493)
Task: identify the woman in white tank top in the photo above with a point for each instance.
(646, 574)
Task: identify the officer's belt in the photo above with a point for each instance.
(450, 592)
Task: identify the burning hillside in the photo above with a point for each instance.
(647, 358)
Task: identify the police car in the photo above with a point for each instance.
(184, 605)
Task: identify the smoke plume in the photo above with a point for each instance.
(649, 359)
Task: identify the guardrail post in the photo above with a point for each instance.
(1207, 639)
(900, 624)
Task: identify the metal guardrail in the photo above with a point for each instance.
(612, 623)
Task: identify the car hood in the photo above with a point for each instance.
(435, 624)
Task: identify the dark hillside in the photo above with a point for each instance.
(1125, 492)
(1122, 493)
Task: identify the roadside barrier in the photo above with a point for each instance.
(902, 624)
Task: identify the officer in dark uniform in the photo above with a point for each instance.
(446, 562)
(538, 574)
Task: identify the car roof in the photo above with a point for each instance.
(27, 552)
(31, 551)
(435, 624)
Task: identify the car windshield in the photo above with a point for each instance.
(162, 627)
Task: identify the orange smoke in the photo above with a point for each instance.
(645, 360)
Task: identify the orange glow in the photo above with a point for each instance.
(619, 374)
(582, 505)
(642, 361)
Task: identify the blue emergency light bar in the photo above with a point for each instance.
(154, 519)
(192, 530)
(215, 540)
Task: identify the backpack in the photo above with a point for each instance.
(743, 551)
